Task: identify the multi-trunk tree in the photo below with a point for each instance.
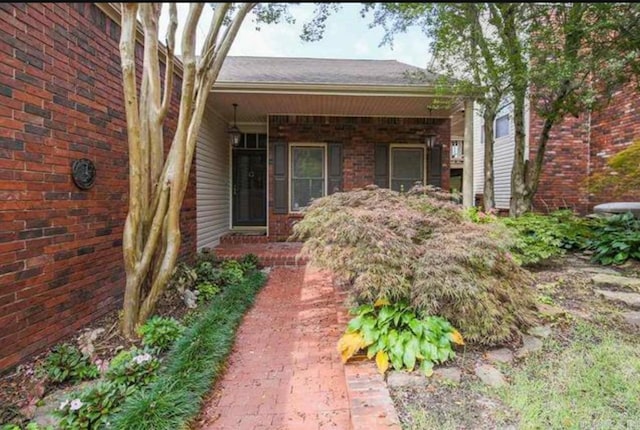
(566, 58)
(158, 176)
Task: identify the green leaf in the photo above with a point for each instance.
(410, 352)
(426, 367)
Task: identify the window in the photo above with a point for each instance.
(502, 126)
(407, 167)
(308, 175)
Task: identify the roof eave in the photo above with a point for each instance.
(329, 89)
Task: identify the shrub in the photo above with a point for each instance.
(616, 239)
(393, 333)
(160, 332)
(419, 247)
(231, 272)
(541, 237)
(206, 291)
(65, 362)
(207, 272)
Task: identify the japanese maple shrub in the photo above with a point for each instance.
(419, 247)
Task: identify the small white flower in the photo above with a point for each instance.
(75, 405)
(64, 404)
(139, 359)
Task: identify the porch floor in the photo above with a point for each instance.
(269, 253)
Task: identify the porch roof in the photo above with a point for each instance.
(263, 86)
(323, 71)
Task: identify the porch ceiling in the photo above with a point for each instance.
(253, 107)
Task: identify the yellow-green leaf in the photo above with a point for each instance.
(456, 337)
(349, 344)
(381, 302)
(382, 360)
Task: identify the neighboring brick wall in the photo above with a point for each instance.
(580, 147)
(565, 168)
(612, 130)
(60, 100)
(358, 136)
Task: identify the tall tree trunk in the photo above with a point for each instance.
(152, 237)
(488, 194)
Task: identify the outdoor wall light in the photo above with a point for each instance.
(430, 141)
(234, 132)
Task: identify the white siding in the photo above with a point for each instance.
(503, 150)
(502, 157)
(213, 181)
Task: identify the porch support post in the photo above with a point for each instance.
(467, 172)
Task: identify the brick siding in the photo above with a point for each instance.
(358, 136)
(61, 100)
(580, 147)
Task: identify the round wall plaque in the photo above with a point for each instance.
(83, 172)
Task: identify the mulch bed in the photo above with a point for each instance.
(20, 383)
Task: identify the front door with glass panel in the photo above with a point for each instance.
(407, 167)
(249, 182)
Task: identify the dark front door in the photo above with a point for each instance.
(249, 187)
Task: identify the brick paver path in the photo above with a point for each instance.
(285, 371)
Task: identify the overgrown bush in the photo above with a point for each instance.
(394, 334)
(542, 237)
(421, 248)
(615, 239)
(160, 332)
(65, 362)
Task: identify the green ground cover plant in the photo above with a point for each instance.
(65, 362)
(615, 239)
(193, 364)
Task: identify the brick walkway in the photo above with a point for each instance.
(285, 371)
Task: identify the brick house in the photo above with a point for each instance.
(578, 147)
(309, 127)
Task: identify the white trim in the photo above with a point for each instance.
(328, 89)
(268, 209)
(290, 163)
(408, 146)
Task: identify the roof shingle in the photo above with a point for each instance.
(322, 71)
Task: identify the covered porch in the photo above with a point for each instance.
(303, 141)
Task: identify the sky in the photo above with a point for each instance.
(347, 36)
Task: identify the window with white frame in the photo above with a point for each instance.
(308, 174)
(407, 167)
(502, 126)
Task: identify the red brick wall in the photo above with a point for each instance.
(60, 100)
(612, 130)
(565, 169)
(580, 147)
(358, 136)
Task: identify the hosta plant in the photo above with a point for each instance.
(616, 239)
(206, 291)
(395, 335)
(160, 332)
